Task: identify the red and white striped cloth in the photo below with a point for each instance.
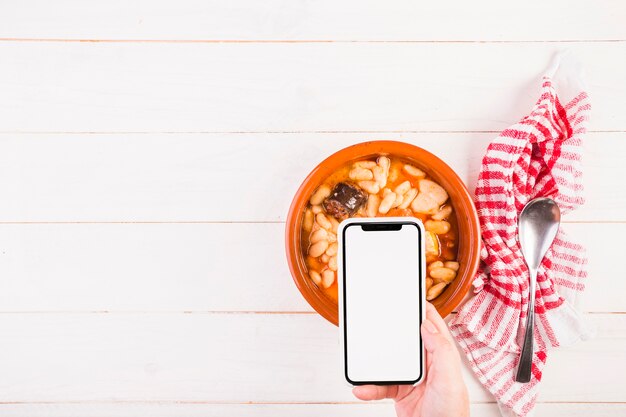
(539, 156)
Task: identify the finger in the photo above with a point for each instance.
(375, 392)
(442, 353)
(433, 315)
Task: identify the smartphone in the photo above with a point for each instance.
(381, 274)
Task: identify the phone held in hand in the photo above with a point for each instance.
(381, 274)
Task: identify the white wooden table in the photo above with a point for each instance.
(149, 152)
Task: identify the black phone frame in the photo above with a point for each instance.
(382, 226)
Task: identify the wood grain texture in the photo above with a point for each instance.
(377, 409)
(482, 20)
(234, 358)
(229, 177)
(200, 267)
(180, 267)
(67, 87)
(107, 314)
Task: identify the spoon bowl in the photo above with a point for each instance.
(538, 225)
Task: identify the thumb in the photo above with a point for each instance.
(375, 392)
(444, 358)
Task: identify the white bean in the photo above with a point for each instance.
(429, 283)
(443, 213)
(328, 278)
(443, 274)
(323, 221)
(332, 237)
(397, 201)
(365, 164)
(435, 290)
(439, 227)
(387, 202)
(317, 249)
(371, 187)
(380, 176)
(408, 198)
(452, 265)
(320, 194)
(402, 188)
(332, 249)
(316, 209)
(316, 277)
(320, 234)
(436, 264)
(394, 172)
(413, 171)
(324, 258)
(373, 201)
(358, 174)
(384, 162)
(307, 221)
(332, 263)
(335, 224)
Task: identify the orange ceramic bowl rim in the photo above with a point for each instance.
(464, 209)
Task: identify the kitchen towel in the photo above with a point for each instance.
(540, 156)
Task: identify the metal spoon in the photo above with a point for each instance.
(538, 225)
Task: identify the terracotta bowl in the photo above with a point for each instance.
(467, 219)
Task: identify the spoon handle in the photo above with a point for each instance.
(526, 357)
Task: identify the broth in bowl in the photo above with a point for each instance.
(382, 186)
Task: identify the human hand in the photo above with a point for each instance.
(443, 393)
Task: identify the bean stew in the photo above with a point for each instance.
(385, 186)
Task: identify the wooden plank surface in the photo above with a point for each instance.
(172, 136)
(319, 20)
(377, 409)
(156, 87)
(201, 267)
(229, 177)
(235, 358)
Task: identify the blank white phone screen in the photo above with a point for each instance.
(382, 304)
